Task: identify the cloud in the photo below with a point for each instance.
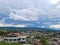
(30, 10)
(56, 26)
(58, 5)
(20, 25)
(54, 1)
(29, 14)
(1, 24)
(12, 25)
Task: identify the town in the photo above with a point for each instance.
(29, 38)
(29, 22)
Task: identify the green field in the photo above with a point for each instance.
(3, 43)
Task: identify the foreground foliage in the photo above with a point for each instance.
(3, 43)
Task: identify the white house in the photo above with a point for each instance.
(13, 38)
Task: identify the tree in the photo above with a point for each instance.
(2, 32)
(43, 40)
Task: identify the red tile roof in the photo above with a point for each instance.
(37, 43)
(16, 34)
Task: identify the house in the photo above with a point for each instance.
(1, 37)
(15, 38)
(37, 43)
(54, 41)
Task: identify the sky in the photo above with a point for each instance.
(30, 13)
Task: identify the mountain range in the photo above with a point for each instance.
(27, 29)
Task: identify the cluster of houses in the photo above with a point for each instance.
(54, 41)
(26, 37)
(14, 37)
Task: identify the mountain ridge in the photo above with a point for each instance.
(28, 29)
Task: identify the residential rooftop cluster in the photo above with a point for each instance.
(31, 38)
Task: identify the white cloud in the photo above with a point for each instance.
(21, 25)
(43, 26)
(31, 10)
(54, 1)
(3, 25)
(56, 26)
(12, 25)
(29, 14)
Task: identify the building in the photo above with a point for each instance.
(37, 43)
(1, 37)
(15, 38)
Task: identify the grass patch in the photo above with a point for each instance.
(3, 43)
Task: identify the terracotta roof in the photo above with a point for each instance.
(37, 43)
(15, 34)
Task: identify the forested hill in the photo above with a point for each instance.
(27, 29)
